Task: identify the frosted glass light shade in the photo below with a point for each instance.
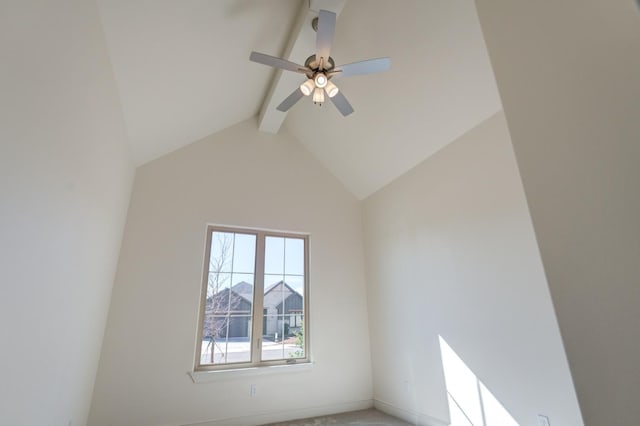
(321, 80)
(307, 87)
(331, 89)
(318, 96)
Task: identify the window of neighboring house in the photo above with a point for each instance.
(254, 303)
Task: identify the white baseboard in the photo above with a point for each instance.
(410, 416)
(285, 415)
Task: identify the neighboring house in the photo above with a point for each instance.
(228, 313)
(283, 310)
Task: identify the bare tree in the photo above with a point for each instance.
(219, 303)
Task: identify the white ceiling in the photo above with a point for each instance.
(183, 73)
(182, 66)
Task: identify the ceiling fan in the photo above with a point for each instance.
(320, 68)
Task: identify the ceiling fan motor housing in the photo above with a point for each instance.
(320, 68)
(328, 64)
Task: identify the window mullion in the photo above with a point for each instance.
(258, 301)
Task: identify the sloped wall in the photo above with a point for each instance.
(568, 77)
(246, 178)
(451, 251)
(65, 181)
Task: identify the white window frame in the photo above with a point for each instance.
(258, 300)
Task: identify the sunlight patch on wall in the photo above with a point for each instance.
(470, 402)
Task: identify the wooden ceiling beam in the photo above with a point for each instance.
(301, 44)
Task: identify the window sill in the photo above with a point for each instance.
(215, 375)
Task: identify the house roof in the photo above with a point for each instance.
(183, 73)
(279, 284)
(245, 290)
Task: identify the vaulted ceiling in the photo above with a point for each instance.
(183, 73)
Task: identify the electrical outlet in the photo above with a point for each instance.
(254, 390)
(543, 420)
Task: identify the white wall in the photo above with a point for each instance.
(451, 251)
(568, 74)
(245, 178)
(65, 180)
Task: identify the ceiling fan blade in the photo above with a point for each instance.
(272, 61)
(290, 100)
(369, 66)
(324, 38)
(342, 104)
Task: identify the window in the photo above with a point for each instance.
(254, 304)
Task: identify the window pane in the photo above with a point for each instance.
(242, 285)
(218, 291)
(274, 255)
(225, 346)
(226, 333)
(273, 324)
(294, 316)
(221, 252)
(295, 283)
(273, 299)
(270, 280)
(294, 345)
(283, 325)
(244, 253)
(273, 342)
(294, 256)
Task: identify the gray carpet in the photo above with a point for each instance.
(368, 417)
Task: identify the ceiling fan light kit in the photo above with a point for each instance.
(320, 80)
(331, 89)
(318, 96)
(320, 68)
(307, 87)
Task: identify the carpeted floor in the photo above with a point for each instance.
(368, 417)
